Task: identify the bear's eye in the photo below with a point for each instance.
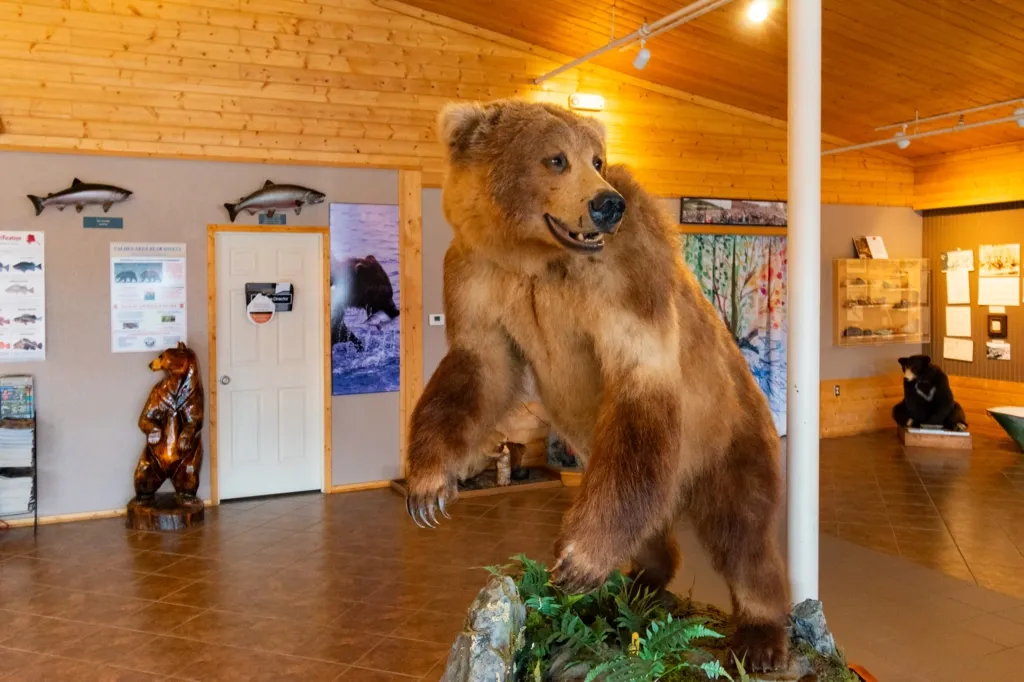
(598, 164)
(557, 163)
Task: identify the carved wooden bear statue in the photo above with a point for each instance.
(172, 421)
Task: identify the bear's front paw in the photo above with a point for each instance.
(574, 572)
(428, 494)
(762, 647)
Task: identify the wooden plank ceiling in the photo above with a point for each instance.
(883, 59)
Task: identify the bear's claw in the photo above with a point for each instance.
(423, 508)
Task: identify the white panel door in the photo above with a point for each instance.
(270, 377)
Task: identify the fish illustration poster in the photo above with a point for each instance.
(147, 297)
(22, 297)
(365, 339)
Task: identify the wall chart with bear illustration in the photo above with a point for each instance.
(147, 297)
(22, 297)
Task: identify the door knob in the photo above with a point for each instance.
(225, 380)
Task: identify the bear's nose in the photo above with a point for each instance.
(606, 210)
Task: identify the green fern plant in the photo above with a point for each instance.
(619, 632)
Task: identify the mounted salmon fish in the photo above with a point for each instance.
(81, 194)
(271, 197)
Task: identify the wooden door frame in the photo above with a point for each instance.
(211, 284)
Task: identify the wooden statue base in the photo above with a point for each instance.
(927, 438)
(164, 512)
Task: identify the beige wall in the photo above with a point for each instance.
(900, 228)
(89, 398)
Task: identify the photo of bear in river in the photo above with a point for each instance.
(364, 298)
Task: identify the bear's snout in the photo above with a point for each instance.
(606, 211)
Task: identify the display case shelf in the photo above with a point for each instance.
(880, 301)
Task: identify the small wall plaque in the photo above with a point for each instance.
(103, 222)
(997, 326)
(276, 219)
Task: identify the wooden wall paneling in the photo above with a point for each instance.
(876, 70)
(354, 83)
(410, 260)
(977, 395)
(979, 176)
(863, 405)
(969, 231)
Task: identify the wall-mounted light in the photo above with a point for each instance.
(758, 11)
(901, 138)
(642, 57)
(583, 101)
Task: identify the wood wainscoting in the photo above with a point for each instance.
(865, 405)
(862, 406)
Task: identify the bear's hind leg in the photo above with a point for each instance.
(901, 415)
(656, 562)
(957, 419)
(148, 476)
(186, 477)
(734, 507)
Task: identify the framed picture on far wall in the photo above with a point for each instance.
(365, 299)
(698, 211)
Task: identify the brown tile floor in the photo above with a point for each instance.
(958, 512)
(346, 588)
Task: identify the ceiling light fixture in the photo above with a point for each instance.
(901, 140)
(758, 11)
(642, 57)
(583, 101)
(1019, 113)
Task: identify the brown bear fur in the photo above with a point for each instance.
(632, 363)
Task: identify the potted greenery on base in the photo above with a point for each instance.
(522, 629)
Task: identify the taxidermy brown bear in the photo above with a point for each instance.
(562, 265)
(172, 420)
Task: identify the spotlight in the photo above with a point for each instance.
(901, 140)
(583, 101)
(1019, 115)
(758, 11)
(642, 57)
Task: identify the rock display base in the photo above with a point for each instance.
(495, 631)
(164, 511)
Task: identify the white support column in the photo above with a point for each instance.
(804, 294)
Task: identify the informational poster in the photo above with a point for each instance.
(1004, 291)
(958, 349)
(22, 297)
(958, 320)
(147, 297)
(999, 260)
(958, 287)
(997, 350)
(958, 260)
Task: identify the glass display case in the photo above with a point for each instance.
(878, 301)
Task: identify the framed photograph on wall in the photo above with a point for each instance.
(740, 212)
(365, 299)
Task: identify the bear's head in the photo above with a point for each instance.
(175, 361)
(914, 366)
(527, 176)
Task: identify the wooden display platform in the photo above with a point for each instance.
(929, 438)
(164, 512)
(485, 484)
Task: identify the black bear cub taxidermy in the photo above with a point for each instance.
(927, 397)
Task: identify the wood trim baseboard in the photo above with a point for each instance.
(79, 516)
(357, 487)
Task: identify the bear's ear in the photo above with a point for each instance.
(181, 345)
(903, 361)
(456, 124)
(925, 360)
